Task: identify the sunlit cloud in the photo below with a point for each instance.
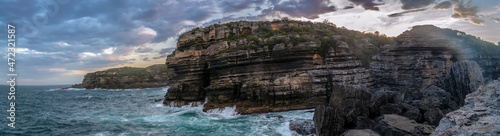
(87, 36)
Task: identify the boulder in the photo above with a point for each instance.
(391, 108)
(395, 125)
(360, 132)
(413, 114)
(303, 126)
(435, 97)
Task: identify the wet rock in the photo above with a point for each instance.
(303, 126)
(479, 116)
(360, 132)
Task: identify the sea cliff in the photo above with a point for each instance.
(364, 82)
(268, 66)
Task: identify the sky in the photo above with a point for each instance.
(59, 41)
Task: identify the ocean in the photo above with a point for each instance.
(50, 110)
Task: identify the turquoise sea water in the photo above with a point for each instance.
(49, 110)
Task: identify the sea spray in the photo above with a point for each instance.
(225, 113)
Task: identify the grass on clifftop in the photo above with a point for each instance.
(121, 72)
(322, 33)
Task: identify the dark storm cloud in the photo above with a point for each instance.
(405, 12)
(76, 34)
(238, 5)
(443, 5)
(167, 17)
(367, 4)
(148, 15)
(414, 4)
(465, 10)
(143, 50)
(302, 8)
(92, 26)
(145, 59)
(348, 7)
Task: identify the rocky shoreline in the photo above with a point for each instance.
(359, 83)
(362, 82)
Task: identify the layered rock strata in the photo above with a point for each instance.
(263, 74)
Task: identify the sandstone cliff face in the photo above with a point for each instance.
(479, 116)
(418, 60)
(423, 56)
(416, 82)
(285, 70)
(127, 78)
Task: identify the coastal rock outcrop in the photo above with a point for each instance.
(479, 116)
(464, 77)
(266, 66)
(419, 59)
(345, 105)
(419, 80)
(127, 78)
(359, 80)
(302, 127)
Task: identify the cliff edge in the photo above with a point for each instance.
(268, 66)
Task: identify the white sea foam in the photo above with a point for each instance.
(107, 133)
(284, 130)
(158, 105)
(74, 89)
(226, 112)
(53, 89)
(165, 89)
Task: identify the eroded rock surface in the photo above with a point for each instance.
(396, 125)
(360, 132)
(264, 66)
(345, 105)
(464, 77)
(479, 116)
(303, 126)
